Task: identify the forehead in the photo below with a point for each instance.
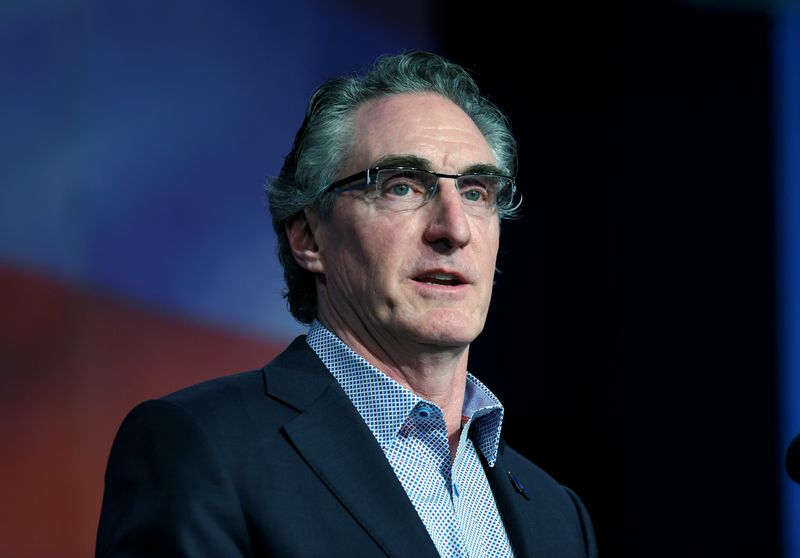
(426, 125)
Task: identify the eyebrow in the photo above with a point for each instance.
(421, 163)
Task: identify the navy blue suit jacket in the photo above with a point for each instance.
(278, 463)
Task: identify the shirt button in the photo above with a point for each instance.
(423, 412)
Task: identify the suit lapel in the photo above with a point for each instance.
(510, 502)
(339, 447)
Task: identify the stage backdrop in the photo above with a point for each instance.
(136, 250)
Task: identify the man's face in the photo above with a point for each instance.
(401, 279)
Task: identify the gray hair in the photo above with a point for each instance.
(325, 137)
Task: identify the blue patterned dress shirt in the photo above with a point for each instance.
(452, 497)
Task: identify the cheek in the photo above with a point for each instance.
(490, 244)
(361, 257)
(381, 255)
(375, 231)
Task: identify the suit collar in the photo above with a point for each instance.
(385, 404)
(338, 446)
(296, 377)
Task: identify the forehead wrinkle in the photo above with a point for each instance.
(444, 137)
(454, 160)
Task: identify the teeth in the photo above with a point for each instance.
(440, 279)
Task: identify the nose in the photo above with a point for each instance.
(448, 224)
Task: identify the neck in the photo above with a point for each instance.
(435, 373)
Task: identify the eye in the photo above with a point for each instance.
(474, 195)
(476, 190)
(400, 190)
(404, 185)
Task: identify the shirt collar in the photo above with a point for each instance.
(385, 405)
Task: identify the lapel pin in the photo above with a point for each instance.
(518, 485)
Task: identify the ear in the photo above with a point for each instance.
(301, 231)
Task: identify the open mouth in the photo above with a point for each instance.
(444, 279)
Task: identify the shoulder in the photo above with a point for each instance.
(233, 402)
(532, 477)
(550, 503)
(524, 467)
(239, 390)
(230, 390)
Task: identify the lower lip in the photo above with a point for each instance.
(439, 289)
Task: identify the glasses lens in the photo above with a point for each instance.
(404, 188)
(505, 192)
(399, 189)
(478, 191)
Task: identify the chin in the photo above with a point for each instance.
(449, 329)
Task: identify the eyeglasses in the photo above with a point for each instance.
(406, 188)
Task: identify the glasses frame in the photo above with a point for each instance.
(370, 177)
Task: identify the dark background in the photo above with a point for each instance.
(632, 333)
(632, 336)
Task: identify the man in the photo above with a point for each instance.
(367, 437)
